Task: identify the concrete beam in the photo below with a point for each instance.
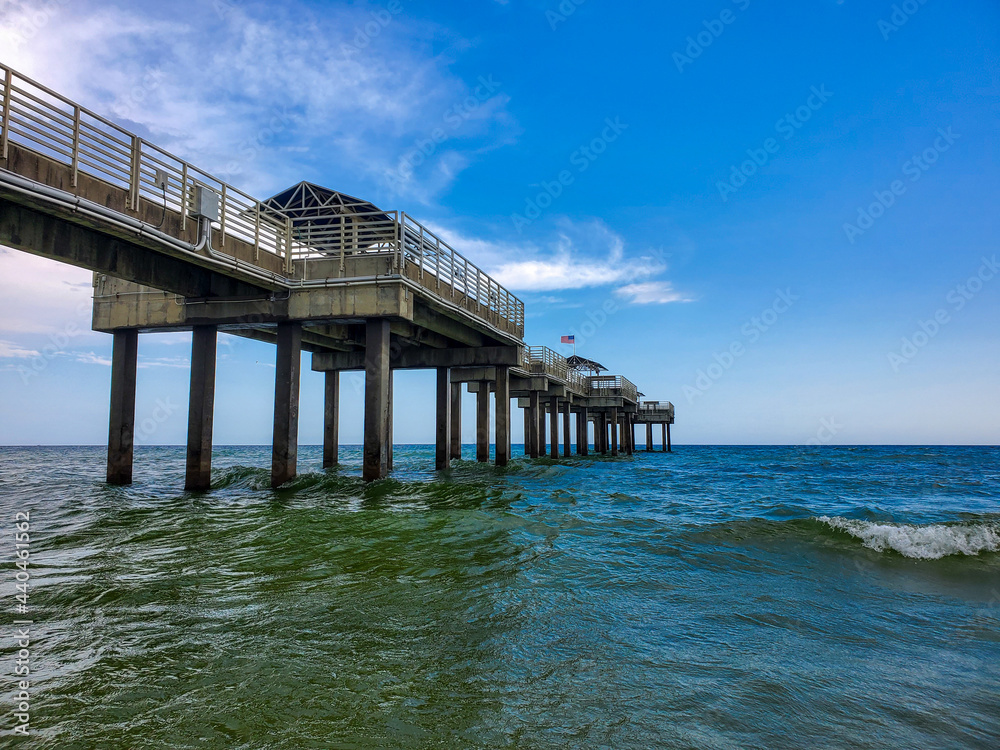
(475, 377)
(201, 409)
(285, 445)
(59, 237)
(421, 359)
(446, 326)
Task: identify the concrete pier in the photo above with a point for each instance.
(483, 422)
(503, 416)
(201, 409)
(456, 420)
(331, 419)
(567, 440)
(285, 445)
(554, 427)
(124, 358)
(442, 442)
(376, 455)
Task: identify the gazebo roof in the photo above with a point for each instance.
(581, 363)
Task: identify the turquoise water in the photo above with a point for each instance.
(711, 598)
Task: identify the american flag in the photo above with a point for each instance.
(567, 340)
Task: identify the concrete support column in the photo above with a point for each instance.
(527, 430)
(554, 426)
(533, 422)
(629, 434)
(201, 409)
(583, 423)
(456, 420)
(331, 419)
(388, 424)
(483, 422)
(503, 416)
(614, 431)
(285, 443)
(666, 432)
(649, 436)
(442, 443)
(121, 430)
(542, 443)
(376, 456)
(567, 440)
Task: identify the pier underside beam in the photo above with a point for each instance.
(503, 416)
(284, 450)
(121, 431)
(331, 419)
(442, 443)
(201, 409)
(376, 454)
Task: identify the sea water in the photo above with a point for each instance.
(716, 597)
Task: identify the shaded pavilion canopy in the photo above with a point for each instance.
(581, 363)
(331, 221)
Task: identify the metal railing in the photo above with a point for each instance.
(36, 117)
(541, 360)
(647, 408)
(613, 386)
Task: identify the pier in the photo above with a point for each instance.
(173, 248)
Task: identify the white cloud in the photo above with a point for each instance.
(652, 293)
(263, 94)
(585, 254)
(90, 358)
(10, 350)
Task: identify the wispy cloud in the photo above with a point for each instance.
(652, 293)
(264, 94)
(584, 254)
(10, 350)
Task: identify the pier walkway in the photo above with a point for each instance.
(175, 249)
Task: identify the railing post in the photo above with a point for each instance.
(256, 232)
(222, 217)
(184, 196)
(134, 178)
(288, 245)
(76, 144)
(8, 83)
(421, 252)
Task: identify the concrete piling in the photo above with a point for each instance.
(284, 447)
(442, 443)
(121, 431)
(503, 416)
(376, 458)
(331, 419)
(456, 420)
(483, 422)
(201, 409)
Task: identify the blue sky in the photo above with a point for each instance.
(774, 200)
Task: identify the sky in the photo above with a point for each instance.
(779, 216)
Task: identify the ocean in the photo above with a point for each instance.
(716, 597)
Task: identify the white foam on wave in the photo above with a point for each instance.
(930, 542)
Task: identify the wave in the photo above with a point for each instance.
(930, 542)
